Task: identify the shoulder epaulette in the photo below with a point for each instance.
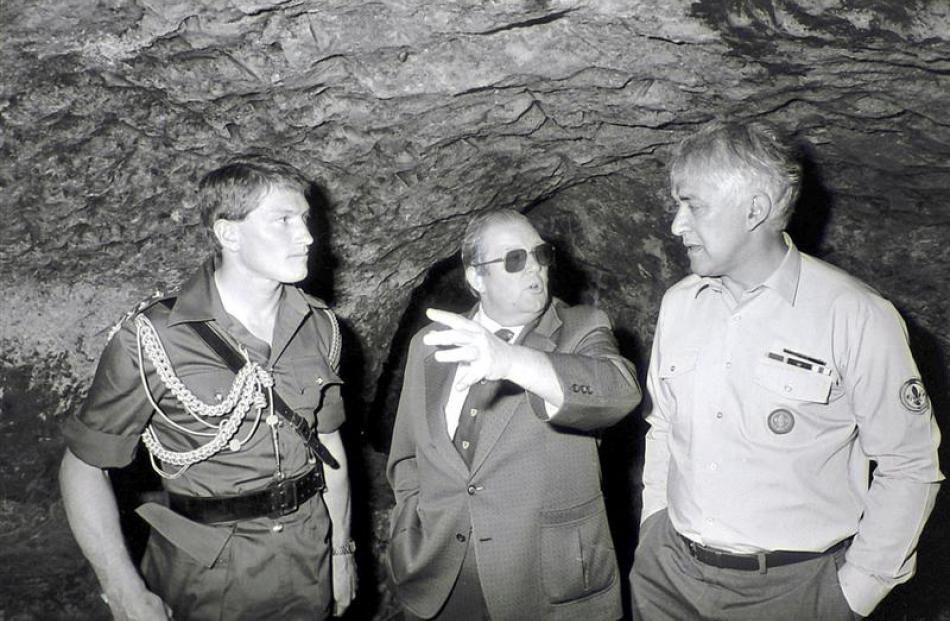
(141, 307)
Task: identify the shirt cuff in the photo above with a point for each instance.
(862, 591)
(98, 448)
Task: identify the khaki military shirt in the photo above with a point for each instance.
(767, 410)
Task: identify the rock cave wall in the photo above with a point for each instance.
(411, 116)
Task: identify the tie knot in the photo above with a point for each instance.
(504, 334)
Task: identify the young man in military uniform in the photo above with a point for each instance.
(775, 380)
(232, 386)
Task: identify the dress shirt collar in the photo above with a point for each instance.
(493, 326)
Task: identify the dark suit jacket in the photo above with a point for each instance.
(532, 501)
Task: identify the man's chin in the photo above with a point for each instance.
(698, 267)
(295, 277)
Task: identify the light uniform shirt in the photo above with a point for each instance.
(453, 406)
(767, 410)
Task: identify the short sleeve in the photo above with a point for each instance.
(106, 430)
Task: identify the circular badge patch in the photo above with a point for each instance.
(914, 396)
(781, 422)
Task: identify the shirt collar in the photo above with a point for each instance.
(784, 280)
(199, 300)
(490, 324)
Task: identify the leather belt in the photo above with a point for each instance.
(275, 500)
(754, 562)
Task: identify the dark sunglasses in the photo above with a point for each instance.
(515, 260)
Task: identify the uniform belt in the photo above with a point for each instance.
(277, 499)
(754, 562)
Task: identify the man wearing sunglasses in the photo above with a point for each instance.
(499, 512)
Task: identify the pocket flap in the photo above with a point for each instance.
(793, 383)
(678, 362)
(314, 373)
(202, 542)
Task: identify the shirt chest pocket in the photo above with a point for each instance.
(678, 364)
(792, 384)
(306, 379)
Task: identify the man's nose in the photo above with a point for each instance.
(303, 235)
(680, 221)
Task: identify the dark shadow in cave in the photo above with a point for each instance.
(444, 287)
(621, 457)
(321, 265)
(813, 208)
(567, 281)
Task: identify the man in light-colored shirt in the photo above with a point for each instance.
(499, 512)
(775, 380)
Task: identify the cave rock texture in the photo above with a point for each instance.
(412, 115)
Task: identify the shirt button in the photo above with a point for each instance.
(319, 380)
(465, 444)
(718, 414)
(473, 412)
(276, 528)
(471, 490)
(672, 367)
(788, 388)
(728, 365)
(460, 537)
(737, 318)
(218, 396)
(709, 520)
(714, 467)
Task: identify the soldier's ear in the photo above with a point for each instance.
(226, 231)
(474, 279)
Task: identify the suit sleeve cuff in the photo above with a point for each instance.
(862, 591)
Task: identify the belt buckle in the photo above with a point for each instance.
(283, 498)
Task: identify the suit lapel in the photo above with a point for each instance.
(512, 398)
(438, 382)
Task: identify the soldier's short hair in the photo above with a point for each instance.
(237, 188)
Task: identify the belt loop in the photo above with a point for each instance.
(763, 568)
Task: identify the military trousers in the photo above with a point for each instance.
(265, 569)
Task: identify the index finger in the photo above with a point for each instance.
(452, 320)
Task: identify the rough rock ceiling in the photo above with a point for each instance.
(413, 115)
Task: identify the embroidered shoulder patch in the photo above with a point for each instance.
(913, 396)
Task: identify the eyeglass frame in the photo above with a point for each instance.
(524, 262)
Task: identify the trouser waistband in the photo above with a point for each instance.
(754, 562)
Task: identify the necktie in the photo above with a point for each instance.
(479, 398)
